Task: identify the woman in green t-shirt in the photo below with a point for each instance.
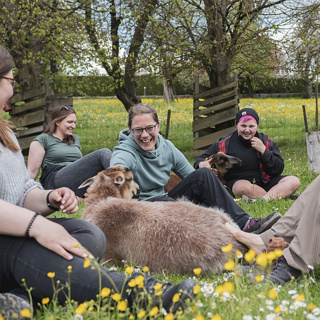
(57, 151)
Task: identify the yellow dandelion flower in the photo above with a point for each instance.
(176, 298)
(300, 298)
(197, 271)
(271, 256)
(227, 248)
(45, 300)
(122, 305)
(154, 311)
(140, 281)
(131, 317)
(81, 308)
(273, 294)
(76, 245)
(228, 287)
(145, 269)
(1, 317)
(196, 289)
(277, 309)
(229, 265)
(116, 296)
(158, 293)
(239, 254)
(129, 270)
(249, 256)
(141, 314)
(262, 259)
(258, 277)
(219, 290)
(105, 292)
(278, 253)
(51, 275)
(90, 308)
(86, 263)
(157, 286)
(311, 306)
(69, 268)
(169, 316)
(26, 313)
(132, 283)
(199, 317)
(216, 317)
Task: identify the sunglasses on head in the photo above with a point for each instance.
(68, 108)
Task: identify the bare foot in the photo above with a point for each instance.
(252, 241)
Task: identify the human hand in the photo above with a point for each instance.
(258, 145)
(54, 237)
(64, 199)
(205, 164)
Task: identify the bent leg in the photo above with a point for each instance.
(246, 188)
(88, 166)
(284, 189)
(22, 258)
(203, 187)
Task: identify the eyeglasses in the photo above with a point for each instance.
(13, 81)
(68, 108)
(148, 129)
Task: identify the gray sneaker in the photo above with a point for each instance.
(11, 305)
(259, 225)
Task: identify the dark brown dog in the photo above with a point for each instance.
(220, 163)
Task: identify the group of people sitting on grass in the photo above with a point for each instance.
(32, 245)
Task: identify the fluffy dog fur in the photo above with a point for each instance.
(220, 161)
(176, 236)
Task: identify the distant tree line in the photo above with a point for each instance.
(91, 86)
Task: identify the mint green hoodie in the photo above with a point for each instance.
(151, 169)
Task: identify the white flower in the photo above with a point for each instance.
(292, 291)
(78, 317)
(247, 317)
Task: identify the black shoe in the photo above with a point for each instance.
(11, 306)
(161, 294)
(283, 273)
(184, 289)
(259, 225)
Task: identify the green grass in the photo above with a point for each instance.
(98, 125)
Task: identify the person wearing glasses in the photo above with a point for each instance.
(36, 250)
(57, 152)
(151, 158)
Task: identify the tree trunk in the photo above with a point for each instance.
(308, 87)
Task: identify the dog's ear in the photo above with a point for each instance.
(214, 156)
(86, 183)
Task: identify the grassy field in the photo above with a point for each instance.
(225, 296)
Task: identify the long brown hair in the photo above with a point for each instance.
(58, 114)
(6, 65)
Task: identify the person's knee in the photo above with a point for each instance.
(242, 187)
(91, 237)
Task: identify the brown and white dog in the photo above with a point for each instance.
(175, 236)
(220, 162)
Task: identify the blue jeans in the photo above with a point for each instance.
(22, 258)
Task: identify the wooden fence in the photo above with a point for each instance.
(214, 112)
(31, 111)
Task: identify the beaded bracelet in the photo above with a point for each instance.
(50, 206)
(31, 222)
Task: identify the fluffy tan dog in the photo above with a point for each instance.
(176, 236)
